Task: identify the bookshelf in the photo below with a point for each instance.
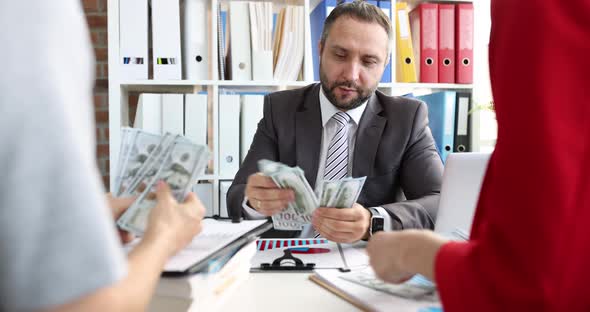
(120, 88)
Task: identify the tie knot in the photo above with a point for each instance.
(341, 118)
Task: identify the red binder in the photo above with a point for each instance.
(446, 43)
(424, 28)
(464, 43)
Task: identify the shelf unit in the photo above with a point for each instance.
(119, 89)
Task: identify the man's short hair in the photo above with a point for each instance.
(360, 11)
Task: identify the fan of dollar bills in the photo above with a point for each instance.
(146, 158)
(336, 193)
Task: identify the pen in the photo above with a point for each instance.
(345, 268)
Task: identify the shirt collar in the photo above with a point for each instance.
(328, 109)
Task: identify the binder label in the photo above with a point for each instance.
(449, 122)
(404, 31)
(467, 39)
(462, 115)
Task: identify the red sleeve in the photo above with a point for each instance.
(530, 246)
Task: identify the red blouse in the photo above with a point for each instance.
(530, 242)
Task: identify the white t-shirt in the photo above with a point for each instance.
(57, 236)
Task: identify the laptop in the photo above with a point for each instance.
(462, 179)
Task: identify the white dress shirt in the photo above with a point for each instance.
(329, 129)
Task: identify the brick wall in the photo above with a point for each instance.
(96, 14)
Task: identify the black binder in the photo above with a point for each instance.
(462, 140)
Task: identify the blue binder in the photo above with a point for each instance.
(316, 20)
(386, 7)
(441, 116)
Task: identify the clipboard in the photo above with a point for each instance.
(301, 255)
(218, 252)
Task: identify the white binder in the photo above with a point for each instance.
(166, 39)
(205, 193)
(223, 188)
(133, 39)
(252, 112)
(196, 60)
(173, 113)
(229, 135)
(290, 55)
(195, 118)
(262, 65)
(261, 35)
(239, 34)
(149, 113)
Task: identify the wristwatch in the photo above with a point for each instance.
(377, 221)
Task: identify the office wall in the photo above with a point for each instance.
(96, 15)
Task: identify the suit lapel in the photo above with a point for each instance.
(308, 135)
(368, 138)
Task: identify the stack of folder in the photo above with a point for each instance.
(250, 45)
(434, 43)
(258, 44)
(289, 45)
(188, 115)
(180, 44)
(204, 274)
(450, 121)
(184, 114)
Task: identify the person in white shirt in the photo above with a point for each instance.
(60, 249)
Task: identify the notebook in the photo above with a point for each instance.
(374, 299)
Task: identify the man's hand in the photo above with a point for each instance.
(172, 223)
(118, 206)
(342, 225)
(397, 256)
(265, 196)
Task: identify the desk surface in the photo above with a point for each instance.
(283, 292)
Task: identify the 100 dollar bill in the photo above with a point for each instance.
(339, 193)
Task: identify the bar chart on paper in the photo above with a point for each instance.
(266, 244)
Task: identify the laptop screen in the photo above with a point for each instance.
(462, 179)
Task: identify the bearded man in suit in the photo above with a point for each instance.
(385, 138)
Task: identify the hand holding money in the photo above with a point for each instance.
(342, 225)
(118, 206)
(265, 196)
(148, 158)
(173, 224)
(298, 211)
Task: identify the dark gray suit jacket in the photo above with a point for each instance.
(394, 149)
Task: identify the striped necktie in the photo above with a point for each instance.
(337, 159)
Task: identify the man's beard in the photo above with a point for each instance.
(362, 94)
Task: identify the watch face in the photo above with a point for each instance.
(376, 224)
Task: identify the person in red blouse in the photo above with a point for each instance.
(530, 241)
